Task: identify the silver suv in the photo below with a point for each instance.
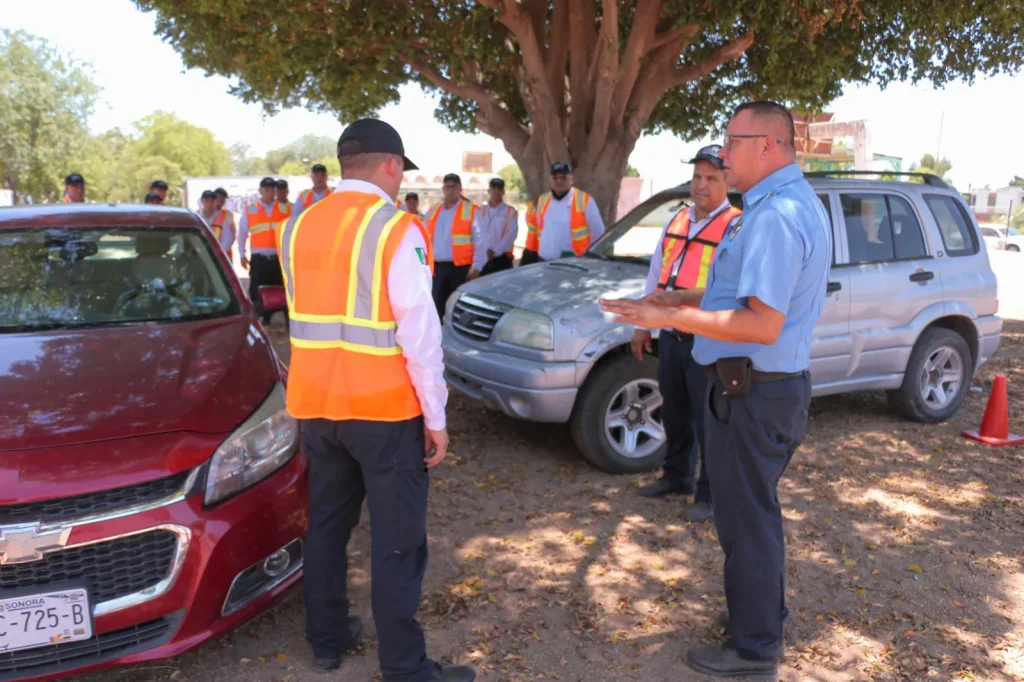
(911, 310)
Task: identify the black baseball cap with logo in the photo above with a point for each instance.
(318, 168)
(373, 136)
(709, 154)
(74, 179)
(560, 168)
(498, 182)
(268, 182)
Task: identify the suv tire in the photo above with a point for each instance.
(623, 391)
(938, 356)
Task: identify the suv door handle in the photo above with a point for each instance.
(922, 276)
(833, 286)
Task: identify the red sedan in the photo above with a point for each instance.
(152, 492)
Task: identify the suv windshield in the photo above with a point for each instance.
(74, 277)
(635, 237)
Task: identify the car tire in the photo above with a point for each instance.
(938, 355)
(1013, 248)
(620, 391)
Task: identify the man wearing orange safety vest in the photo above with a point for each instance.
(74, 189)
(366, 382)
(460, 250)
(262, 219)
(221, 222)
(688, 245)
(308, 197)
(563, 222)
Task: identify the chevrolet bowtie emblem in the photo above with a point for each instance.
(27, 542)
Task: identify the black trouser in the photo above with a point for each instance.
(382, 462)
(683, 385)
(750, 443)
(497, 264)
(447, 278)
(528, 257)
(264, 270)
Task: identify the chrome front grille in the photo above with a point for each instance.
(475, 317)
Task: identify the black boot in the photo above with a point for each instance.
(665, 486)
(722, 661)
(328, 662)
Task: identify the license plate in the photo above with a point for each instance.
(36, 620)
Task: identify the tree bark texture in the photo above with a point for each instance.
(588, 92)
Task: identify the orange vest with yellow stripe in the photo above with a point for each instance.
(462, 230)
(535, 214)
(306, 198)
(218, 227)
(262, 227)
(345, 361)
(685, 262)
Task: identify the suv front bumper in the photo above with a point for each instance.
(524, 389)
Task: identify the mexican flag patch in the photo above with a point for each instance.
(422, 255)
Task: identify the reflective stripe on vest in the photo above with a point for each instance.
(360, 330)
(262, 227)
(690, 259)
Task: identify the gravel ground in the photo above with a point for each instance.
(904, 546)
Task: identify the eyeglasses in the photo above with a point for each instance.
(727, 141)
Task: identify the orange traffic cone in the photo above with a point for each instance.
(995, 425)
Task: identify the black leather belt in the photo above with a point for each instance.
(711, 371)
(678, 335)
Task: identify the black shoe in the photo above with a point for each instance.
(721, 661)
(454, 673)
(699, 512)
(330, 662)
(723, 622)
(664, 486)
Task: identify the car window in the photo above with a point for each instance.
(828, 211)
(954, 225)
(989, 232)
(636, 235)
(881, 227)
(70, 277)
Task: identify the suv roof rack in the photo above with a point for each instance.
(930, 179)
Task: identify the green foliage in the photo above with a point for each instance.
(928, 164)
(295, 167)
(514, 181)
(244, 163)
(46, 99)
(631, 172)
(306, 151)
(1017, 181)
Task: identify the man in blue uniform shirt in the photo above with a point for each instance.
(754, 328)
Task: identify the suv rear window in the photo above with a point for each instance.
(75, 277)
(955, 226)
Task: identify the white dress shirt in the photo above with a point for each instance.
(496, 219)
(654, 272)
(419, 329)
(443, 238)
(297, 206)
(556, 238)
(243, 231)
(227, 231)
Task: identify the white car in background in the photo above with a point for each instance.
(1001, 238)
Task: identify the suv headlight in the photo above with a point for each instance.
(259, 447)
(449, 305)
(527, 329)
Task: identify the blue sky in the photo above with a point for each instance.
(982, 133)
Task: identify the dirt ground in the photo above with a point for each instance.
(904, 545)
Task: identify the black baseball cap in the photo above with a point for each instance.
(158, 184)
(453, 177)
(221, 192)
(268, 182)
(207, 195)
(412, 195)
(282, 183)
(709, 154)
(74, 179)
(373, 136)
(153, 198)
(560, 167)
(318, 168)
(497, 182)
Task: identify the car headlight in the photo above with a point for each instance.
(258, 448)
(449, 305)
(531, 330)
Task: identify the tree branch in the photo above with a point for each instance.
(645, 20)
(581, 38)
(731, 51)
(471, 91)
(558, 52)
(603, 84)
(683, 33)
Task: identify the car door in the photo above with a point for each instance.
(892, 278)
(830, 349)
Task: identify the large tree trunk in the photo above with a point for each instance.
(588, 94)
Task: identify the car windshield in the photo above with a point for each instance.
(636, 236)
(83, 277)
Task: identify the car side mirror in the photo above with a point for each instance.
(273, 299)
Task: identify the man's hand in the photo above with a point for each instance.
(641, 341)
(436, 446)
(639, 313)
(245, 262)
(473, 274)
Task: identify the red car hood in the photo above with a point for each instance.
(63, 388)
